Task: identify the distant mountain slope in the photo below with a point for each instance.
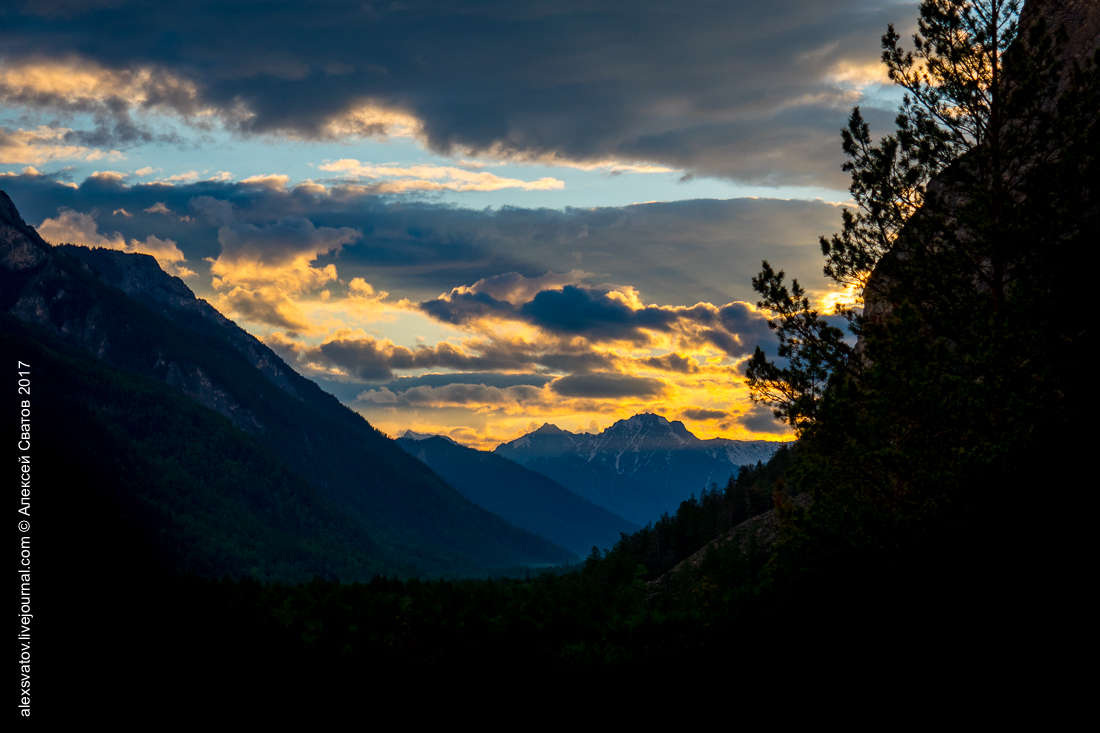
(171, 478)
(638, 468)
(525, 498)
(125, 311)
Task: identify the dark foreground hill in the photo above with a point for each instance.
(525, 498)
(217, 454)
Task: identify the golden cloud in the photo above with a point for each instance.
(72, 227)
(270, 306)
(44, 144)
(429, 177)
(79, 84)
(373, 120)
(604, 314)
(280, 255)
(276, 181)
(362, 299)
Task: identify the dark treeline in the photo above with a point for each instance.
(661, 546)
(599, 615)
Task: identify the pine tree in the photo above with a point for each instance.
(967, 358)
(995, 141)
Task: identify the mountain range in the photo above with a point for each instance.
(638, 468)
(525, 498)
(158, 417)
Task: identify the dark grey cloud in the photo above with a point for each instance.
(349, 391)
(279, 242)
(460, 308)
(363, 358)
(608, 386)
(677, 253)
(367, 359)
(601, 315)
(672, 363)
(700, 413)
(583, 311)
(489, 379)
(739, 89)
(454, 394)
(761, 419)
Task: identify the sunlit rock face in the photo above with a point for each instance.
(637, 468)
(38, 288)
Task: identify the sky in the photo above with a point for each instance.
(460, 218)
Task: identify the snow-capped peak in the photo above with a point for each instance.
(411, 435)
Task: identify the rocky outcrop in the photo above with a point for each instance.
(194, 382)
(140, 277)
(53, 287)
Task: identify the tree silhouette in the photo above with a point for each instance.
(972, 336)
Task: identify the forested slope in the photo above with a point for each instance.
(399, 502)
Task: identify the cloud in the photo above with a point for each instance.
(465, 395)
(280, 254)
(675, 253)
(42, 145)
(28, 171)
(511, 287)
(357, 356)
(609, 386)
(362, 298)
(602, 315)
(433, 178)
(72, 227)
(269, 306)
(111, 179)
(262, 268)
(273, 181)
(78, 84)
(701, 414)
(742, 90)
(760, 419)
(547, 275)
(492, 379)
(75, 84)
(519, 401)
(672, 363)
(188, 177)
(371, 120)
